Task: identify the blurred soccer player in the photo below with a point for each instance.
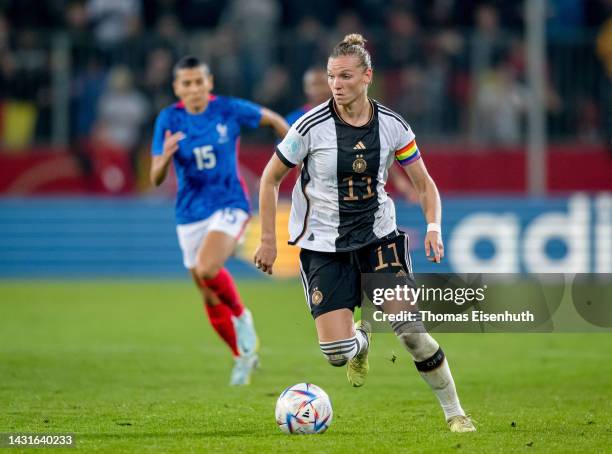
(315, 88)
(199, 134)
(345, 224)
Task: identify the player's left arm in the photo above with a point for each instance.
(429, 198)
(402, 184)
(271, 119)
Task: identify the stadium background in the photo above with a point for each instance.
(82, 81)
(512, 106)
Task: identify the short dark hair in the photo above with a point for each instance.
(189, 62)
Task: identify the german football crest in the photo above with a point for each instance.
(359, 164)
(316, 297)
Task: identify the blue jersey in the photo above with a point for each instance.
(297, 114)
(206, 162)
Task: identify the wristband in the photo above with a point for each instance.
(434, 227)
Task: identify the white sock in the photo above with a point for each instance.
(437, 374)
(340, 351)
(432, 366)
(362, 341)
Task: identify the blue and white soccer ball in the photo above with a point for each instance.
(303, 409)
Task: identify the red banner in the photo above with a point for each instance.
(455, 169)
(51, 171)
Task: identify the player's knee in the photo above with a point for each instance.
(207, 270)
(420, 345)
(410, 340)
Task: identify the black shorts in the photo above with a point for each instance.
(332, 280)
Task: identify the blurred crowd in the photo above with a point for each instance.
(455, 69)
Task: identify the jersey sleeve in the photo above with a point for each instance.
(406, 151)
(293, 149)
(161, 125)
(247, 113)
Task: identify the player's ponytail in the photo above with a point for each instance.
(353, 44)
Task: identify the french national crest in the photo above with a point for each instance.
(222, 130)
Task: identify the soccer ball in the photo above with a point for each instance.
(303, 409)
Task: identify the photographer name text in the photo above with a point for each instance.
(472, 316)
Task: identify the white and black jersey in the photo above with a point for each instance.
(339, 203)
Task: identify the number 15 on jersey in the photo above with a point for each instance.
(205, 157)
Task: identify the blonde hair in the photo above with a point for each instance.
(354, 45)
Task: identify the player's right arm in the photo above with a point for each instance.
(163, 147)
(289, 153)
(273, 175)
(161, 162)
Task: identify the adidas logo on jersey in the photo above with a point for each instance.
(359, 146)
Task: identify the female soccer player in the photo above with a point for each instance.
(200, 134)
(316, 89)
(345, 223)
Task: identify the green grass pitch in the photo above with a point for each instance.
(134, 367)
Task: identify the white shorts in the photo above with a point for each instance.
(231, 221)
